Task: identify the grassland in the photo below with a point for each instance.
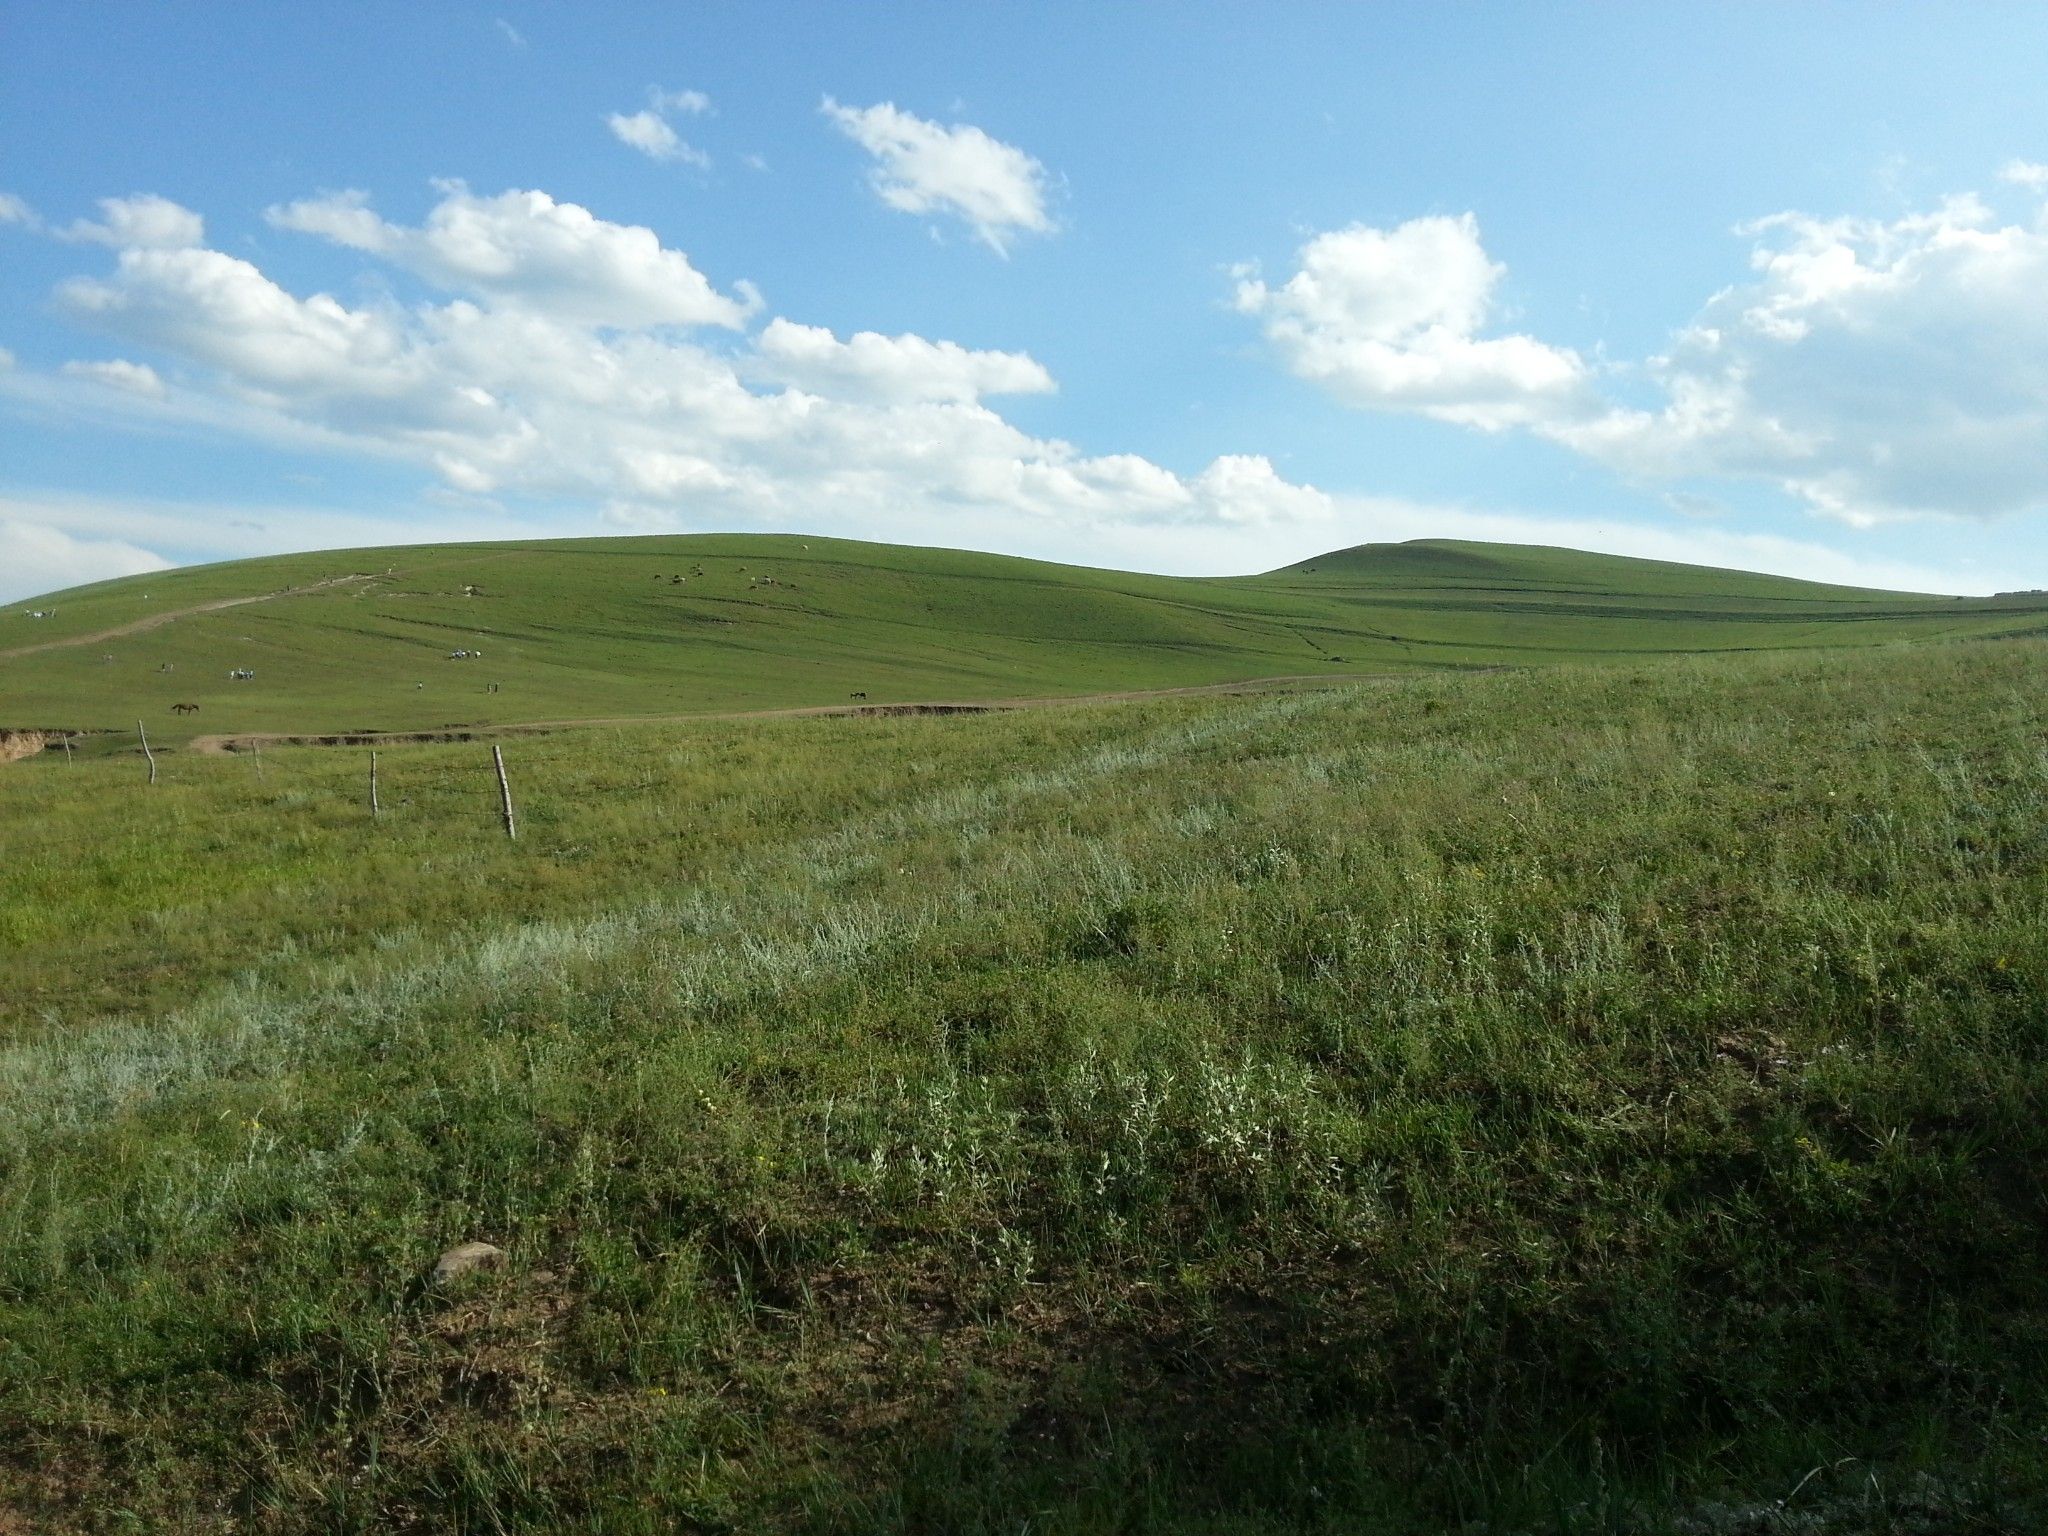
(1567, 1099)
(602, 628)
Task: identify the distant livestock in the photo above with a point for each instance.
(184, 709)
(464, 655)
(241, 674)
(857, 695)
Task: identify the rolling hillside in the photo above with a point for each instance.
(364, 640)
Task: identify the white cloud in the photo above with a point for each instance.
(2025, 173)
(524, 248)
(893, 368)
(510, 33)
(1245, 488)
(344, 217)
(922, 167)
(36, 558)
(531, 383)
(13, 210)
(1871, 369)
(118, 373)
(219, 310)
(649, 132)
(1388, 320)
(142, 221)
(1875, 370)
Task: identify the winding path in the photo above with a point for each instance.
(157, 620)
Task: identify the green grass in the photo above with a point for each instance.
(1587, 1098)
(597, 628)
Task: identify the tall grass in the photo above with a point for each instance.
(1545, 1101)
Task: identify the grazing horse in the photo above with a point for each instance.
(184, 709)
(857, 695)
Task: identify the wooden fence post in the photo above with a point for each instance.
(373, 784)
(257, 748)
(504, 792)
(67, 752)
(139, 731)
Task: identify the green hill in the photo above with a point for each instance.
(581, 629)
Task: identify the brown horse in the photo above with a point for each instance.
(184, 709)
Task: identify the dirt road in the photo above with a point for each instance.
(157, 620)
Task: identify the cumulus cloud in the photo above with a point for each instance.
(555, 369)
(1245, 488)
(14, 210)
(996, 189)
(523, 248)
(1389, 320)
(144, 220)
(2025, 173)
(893, 368)
(219, 310)
(1872, 369)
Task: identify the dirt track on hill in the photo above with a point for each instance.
(242, 741)
(157, 620)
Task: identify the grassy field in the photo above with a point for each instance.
(1598, 1098)
(598, 628)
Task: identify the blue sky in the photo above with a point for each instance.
(1191, 288)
